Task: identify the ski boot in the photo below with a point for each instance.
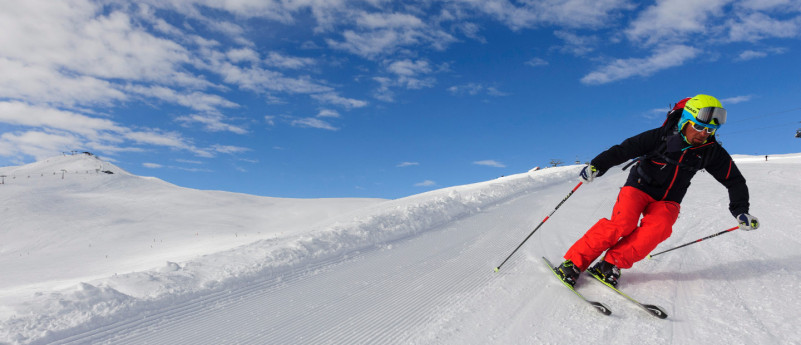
(568, 272)
(608, 272)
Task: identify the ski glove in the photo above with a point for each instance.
(588, 173)
(747, 221)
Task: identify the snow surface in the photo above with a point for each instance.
(91, 257)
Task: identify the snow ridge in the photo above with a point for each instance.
(59, 314)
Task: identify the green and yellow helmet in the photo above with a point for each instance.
(704, 110)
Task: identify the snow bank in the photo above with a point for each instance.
(56, 312)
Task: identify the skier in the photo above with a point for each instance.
(669, 157)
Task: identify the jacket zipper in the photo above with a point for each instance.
(675, 174)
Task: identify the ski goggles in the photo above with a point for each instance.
(700, 127)
(708, 114)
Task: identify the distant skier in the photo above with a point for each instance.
(669, 157)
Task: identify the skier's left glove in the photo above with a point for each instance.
(588, 173)
(747, 221)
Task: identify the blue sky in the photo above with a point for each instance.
(381, 98)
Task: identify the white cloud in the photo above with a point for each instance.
(242, 54)
(426, 183)
(282, 61)
(273, 10)
(233, 30)
(43, 84)
(328, 113)
(575, 44)
(25, 115)
(583, 13)
(736, 99)
(320, 121)
(409, 68)
(90, 54)
(407, 164)
(378, 34)
(388, 20)
(671, 21)
(152, 165)
(331, 15)
(416, 83)
(536, 62)
(258, 79)
(717, 21)
(371, 44)
(762, 5)
(406, 73)
(56, 130)
(229, 149)
(658, 113)
(333, 98)
(211, 122)
(470, 30)
(38, 144)
(490, 163)
(81, 37)
(148, 15)
(750, 55)
(78, 54)
(160, 166)
(474, 89)
(199, 101)
(160, 138)
(188, 161)
(502, 10)
(752, 27)
(663, 58)
(758, 54)
(311, 122)
(470, 89)
(530, 14)
(384, 91)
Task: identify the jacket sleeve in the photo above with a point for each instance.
(630, 148)
(722, 168)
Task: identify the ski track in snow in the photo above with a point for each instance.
(373, 289)
(432, 281)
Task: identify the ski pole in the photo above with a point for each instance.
(538, 226)
(696, 241)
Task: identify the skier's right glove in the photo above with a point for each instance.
(747, 221)
(588, 173)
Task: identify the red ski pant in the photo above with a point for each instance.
(625, 241)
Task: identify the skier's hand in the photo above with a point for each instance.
(747, 221)
(588, 173)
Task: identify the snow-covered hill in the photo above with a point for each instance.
(88, 256)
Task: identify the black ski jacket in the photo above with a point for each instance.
(669, 163)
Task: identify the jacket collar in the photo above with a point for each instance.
(676, 143)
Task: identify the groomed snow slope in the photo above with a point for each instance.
(416, 270)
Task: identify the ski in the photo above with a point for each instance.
(597, 305)
(650, 308)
